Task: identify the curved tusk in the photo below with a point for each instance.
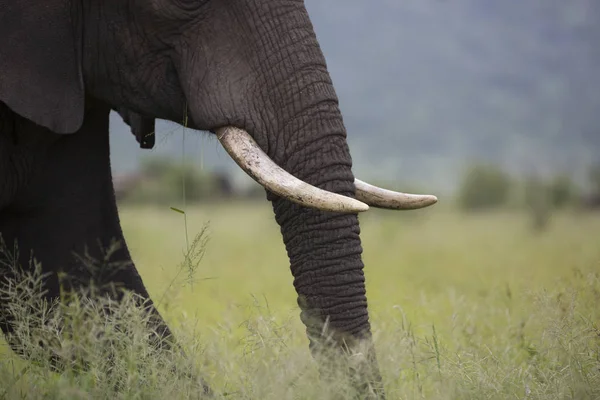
(383, 198)
(256, 163)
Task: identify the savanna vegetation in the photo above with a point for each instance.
(463, 306)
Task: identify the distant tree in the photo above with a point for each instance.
(484, 186)
(594, 179)
(538, 200)
(561, 191)
(591, 198)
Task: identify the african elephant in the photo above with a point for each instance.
(251, 72)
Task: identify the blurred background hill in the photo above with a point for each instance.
(428, 88)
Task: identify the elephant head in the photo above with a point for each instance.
(249, 71)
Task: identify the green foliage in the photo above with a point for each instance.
(484, 186)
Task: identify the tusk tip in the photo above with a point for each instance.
(359, 206)
(430, 200)
(387, 199)
(424, 200)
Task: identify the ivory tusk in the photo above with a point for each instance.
(256, 163)
(383, 198)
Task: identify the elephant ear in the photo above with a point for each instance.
(40, 62)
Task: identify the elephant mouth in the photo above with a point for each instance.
(240, 145)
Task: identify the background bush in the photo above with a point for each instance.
(483, 187)
(165, 182)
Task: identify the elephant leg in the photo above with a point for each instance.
(66, 213)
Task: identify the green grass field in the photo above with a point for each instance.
(462, 307)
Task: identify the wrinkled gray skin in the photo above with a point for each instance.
(254, 64)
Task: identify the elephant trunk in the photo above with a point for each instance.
(324, 248)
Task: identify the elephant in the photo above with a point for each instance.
(249, 72)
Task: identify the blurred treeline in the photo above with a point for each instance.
(487, 187)
(484, 186)
(165, 181)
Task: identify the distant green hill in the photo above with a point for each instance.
(428, 86)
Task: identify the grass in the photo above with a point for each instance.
(462, 307)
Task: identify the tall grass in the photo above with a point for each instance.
(462, 307)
